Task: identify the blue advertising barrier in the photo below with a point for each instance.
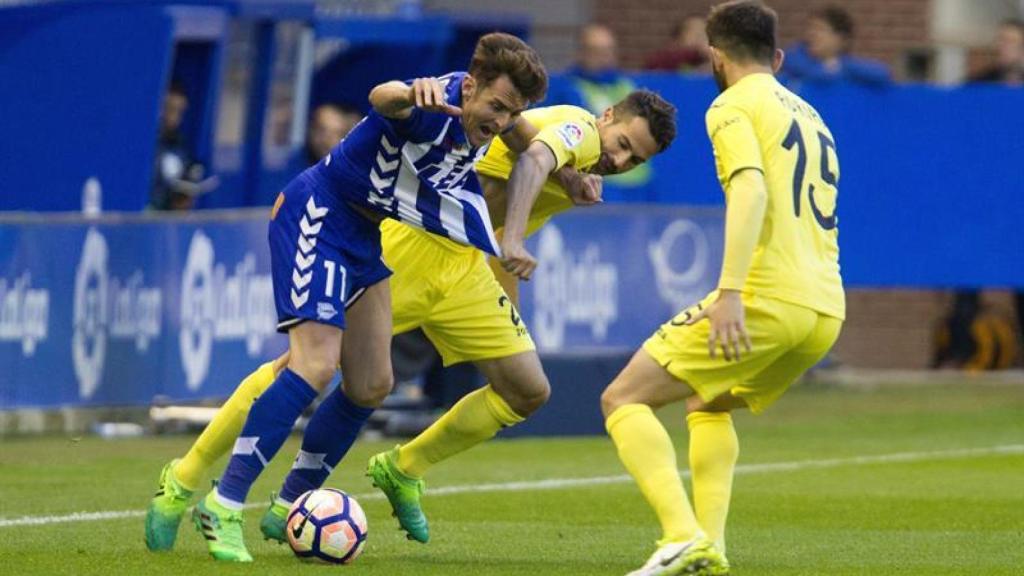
(121, 310)
(930, 177)
(607, 277)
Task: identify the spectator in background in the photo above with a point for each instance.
(686, 51)
(824, 56)
(595, 82)
(328, 124)
(178, 177)
(1009, 66)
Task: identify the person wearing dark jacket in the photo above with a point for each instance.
(824, 56)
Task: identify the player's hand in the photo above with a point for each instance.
(728, 327)
(586, 190)
(516, 260)
(428, 94)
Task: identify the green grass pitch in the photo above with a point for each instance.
(817, 493)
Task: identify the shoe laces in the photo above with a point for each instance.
(231, 527)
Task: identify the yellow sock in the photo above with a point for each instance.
(474, 419)
(714, 449)
(647, 452)
(220, 434)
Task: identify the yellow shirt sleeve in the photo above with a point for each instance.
(736, 148)
(572, 142)
(744, 218)
(734, 141)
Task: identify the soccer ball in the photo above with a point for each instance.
(326, 525)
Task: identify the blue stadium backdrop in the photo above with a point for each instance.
(120, 310)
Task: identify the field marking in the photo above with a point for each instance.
(559, 483)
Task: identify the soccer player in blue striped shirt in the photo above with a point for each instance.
(410, 159)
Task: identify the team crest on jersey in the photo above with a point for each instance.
(571, 134)
(325, 311)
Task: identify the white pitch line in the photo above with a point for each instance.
(559, 483)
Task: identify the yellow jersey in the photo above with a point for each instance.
(571, 134)
(759, 124)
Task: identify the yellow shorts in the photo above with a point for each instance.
(787, 340)
(449, 291)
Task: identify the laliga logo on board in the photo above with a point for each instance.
(682, 287)
(221, 307)
(24, 313)
(107, 307)
(571, 290)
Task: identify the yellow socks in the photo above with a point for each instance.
(474, 419)
(220, 434)
(714, 449)
(647, 452)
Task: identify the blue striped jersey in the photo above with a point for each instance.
(418, 170)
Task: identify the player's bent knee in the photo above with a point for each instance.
(619, 393)
(529, 400)
(371, 391)
(316, 371)
(611, 399)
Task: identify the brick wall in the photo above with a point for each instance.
(896, 328)
(885, 28)
(890, 328)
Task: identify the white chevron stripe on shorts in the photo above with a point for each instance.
(309, 226)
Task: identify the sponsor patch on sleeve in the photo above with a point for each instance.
(571, 134)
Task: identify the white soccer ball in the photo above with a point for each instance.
(327, 525)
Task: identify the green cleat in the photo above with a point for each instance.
(222, 528)
(166, 510)
(274, 521)
(403, 493)
(697, 557)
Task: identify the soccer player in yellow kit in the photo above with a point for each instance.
(777, 311)
(449, 291)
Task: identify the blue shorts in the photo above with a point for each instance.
(323, 254)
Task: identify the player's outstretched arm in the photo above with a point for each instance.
(509, 283)
(746, 202)
(519, 137)
(528, 176)
(582, 189)
(397, 99)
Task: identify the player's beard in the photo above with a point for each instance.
(719, 72)
(604, 166)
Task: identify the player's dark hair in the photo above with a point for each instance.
(743, 29)
(498, 54)
(838, 19)
(660, 115)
